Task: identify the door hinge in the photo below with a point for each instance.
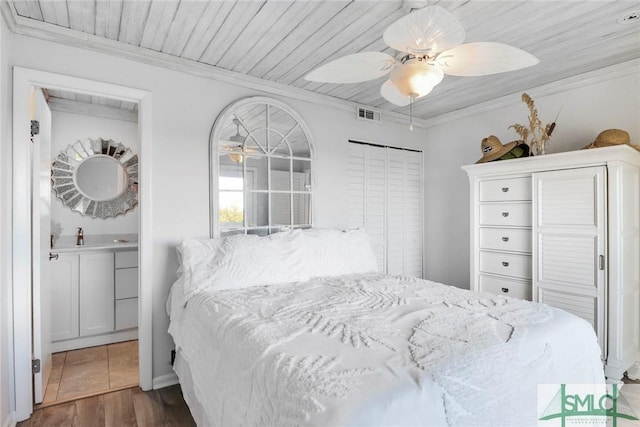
(35, 127)
(35, 366)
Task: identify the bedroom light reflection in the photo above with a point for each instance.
(231, 212)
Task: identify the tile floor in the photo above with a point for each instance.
(92, 371)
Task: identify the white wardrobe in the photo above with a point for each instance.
(564, 229)
(385, 197)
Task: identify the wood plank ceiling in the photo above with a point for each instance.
(281, 41)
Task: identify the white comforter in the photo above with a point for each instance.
(375, 350)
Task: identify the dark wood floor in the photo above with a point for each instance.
(125, 408)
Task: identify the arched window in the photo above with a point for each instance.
(261, 164)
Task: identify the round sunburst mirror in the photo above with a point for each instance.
(97, 178)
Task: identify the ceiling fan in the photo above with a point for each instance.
(235, 145)
(429, 41)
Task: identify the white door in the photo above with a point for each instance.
(41, 231)
(569, 228)
(385, 197)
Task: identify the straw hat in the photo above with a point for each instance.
(493, 149)
(610, 137)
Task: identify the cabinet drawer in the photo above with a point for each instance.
(126, 313)
(505, 239)
(126, 283)
(126, 259)
(506, 287)
(509, 214)
(508, 189)
(506, 264)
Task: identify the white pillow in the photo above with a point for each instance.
(330, 252)
(241, 261)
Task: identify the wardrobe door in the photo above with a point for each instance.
(569, 228)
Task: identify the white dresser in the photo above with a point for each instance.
(564, 229)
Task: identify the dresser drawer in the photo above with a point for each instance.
(506, 287)
(126, 314)
(504, 190)
(126, 259)
(126, 283)
(506, 214)
(506, 264)
(505, 239)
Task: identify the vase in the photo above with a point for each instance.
(538, 148)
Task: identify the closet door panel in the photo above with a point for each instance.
(357, 185)
(385, 197)
(413, 214)
(395, 213)
(375, 203)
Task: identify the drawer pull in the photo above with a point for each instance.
(505, 264)
(505, 239)
(505, 214)
(505, 189)
(505, 290)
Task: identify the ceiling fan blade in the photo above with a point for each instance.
(393, 95)
(359, 67)
(483, 58)
(429, 30)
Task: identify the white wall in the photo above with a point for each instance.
(66, 129)
(586, 111)
(184, 108)
(6, 361)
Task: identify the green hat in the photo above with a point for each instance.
(520, 150)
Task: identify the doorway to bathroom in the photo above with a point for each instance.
(85, 318)
(86, 176)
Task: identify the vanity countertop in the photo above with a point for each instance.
(101, 242)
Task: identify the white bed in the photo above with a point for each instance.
(359, 349)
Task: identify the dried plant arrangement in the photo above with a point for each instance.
(536, 135)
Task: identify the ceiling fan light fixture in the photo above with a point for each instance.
(236, 149)
(236, 154)
(416, 79)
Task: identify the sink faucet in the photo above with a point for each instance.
(80, 238)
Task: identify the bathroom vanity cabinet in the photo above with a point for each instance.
(94, 297)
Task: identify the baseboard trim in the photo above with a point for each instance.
(91, 341)
(9, 421)
(165, 381)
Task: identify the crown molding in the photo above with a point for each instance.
(9, 13)
(44, 31)
(611, 72)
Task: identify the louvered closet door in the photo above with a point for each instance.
(385, 197)
(570, 243)
(367, 195)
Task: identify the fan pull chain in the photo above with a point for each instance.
(411, 114)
